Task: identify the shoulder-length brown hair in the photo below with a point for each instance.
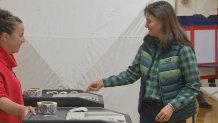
(171, 28)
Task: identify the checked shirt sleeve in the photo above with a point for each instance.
(189, 69)
(126, 77)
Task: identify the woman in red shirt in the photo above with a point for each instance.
(12, 108)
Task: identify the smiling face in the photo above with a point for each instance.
(154, 25)
(12, 42)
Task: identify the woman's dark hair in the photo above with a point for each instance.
(8, 21)
(164, 12)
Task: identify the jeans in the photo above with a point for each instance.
(150, 110)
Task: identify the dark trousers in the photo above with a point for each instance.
(150, 110)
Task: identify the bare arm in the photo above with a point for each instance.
(13, 108)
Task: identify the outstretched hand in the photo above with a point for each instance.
(95, 86)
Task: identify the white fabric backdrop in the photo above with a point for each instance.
(71, 43)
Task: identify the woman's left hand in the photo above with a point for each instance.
(165, 114)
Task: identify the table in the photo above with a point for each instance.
(93, 115)
(211, 79)
(208, 65)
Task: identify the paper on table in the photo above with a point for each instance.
(107, 116)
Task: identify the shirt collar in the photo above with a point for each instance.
(7, 59)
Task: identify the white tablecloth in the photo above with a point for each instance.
(210, 91)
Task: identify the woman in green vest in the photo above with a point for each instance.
(166, 64)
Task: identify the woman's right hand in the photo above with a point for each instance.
(14, 108)
(28, 109)
(95, 86)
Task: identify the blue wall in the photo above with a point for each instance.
(198, 20)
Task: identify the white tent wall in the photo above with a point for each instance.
(71, 43)
(33, 71)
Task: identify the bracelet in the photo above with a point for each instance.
(171, 106)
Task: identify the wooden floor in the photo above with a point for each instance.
(207, 115)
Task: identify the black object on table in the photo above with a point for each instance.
(67, 98)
